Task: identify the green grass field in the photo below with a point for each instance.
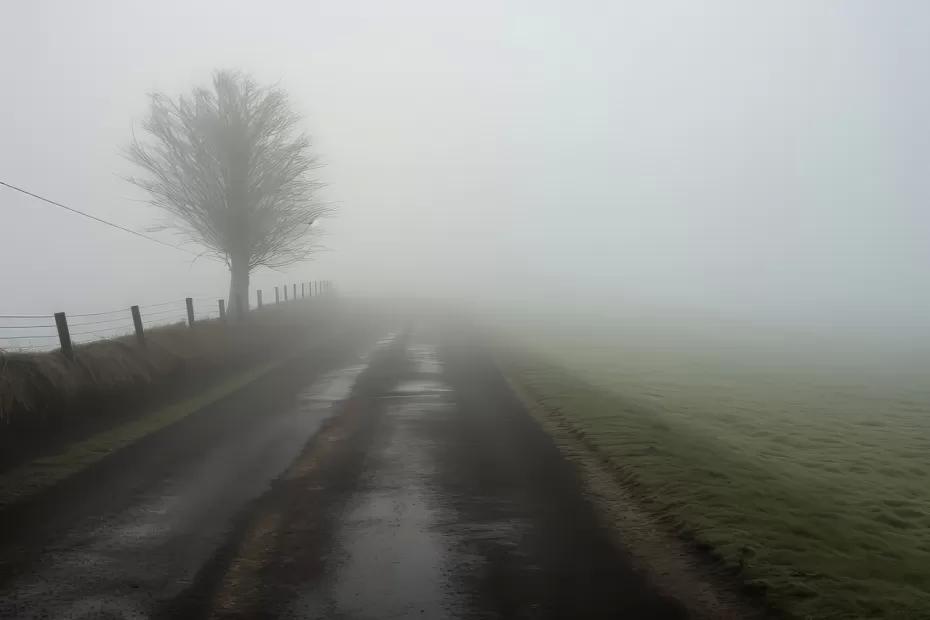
(807, 469)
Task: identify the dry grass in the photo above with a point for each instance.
(38, 389)
(33, 477)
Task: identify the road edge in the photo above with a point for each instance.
(670, 563)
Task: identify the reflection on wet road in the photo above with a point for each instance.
(393, 559)
(461, 507)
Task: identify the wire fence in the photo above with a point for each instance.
(31, 333)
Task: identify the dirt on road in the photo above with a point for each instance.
(395, 475)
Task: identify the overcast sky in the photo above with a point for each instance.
(752, 159)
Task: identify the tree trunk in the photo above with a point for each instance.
(238, 285)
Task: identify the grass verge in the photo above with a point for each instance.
(48, 403)
(29, 479)
(809, 545)
(39, 390)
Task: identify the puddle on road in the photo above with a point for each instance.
(420, 387)
(395, 561)
(336, 386)
(425, 359)
(332, 387)
(387, 340)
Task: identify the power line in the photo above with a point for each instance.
(97, 219)
(116, 226)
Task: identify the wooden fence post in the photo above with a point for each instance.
(222, 303)
(295, 290)
(277, 295)
(137, 325)
(190, 311)
(258, 298)
(64, 335)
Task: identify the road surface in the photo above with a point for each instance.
(391, 474)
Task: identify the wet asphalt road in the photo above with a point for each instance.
(442, 499)
(453, 504)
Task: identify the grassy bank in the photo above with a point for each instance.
(47, 401)
(29, 479)
(809, 480)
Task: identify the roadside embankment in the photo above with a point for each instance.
(48, 402)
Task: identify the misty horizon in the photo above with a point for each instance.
(757, 164)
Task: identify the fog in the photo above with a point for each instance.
(761, 162)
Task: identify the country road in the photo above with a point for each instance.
(391, 474)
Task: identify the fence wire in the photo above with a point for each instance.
(23, 332)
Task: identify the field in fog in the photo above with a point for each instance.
(808, 471)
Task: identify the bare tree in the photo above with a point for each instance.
(231, 167)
